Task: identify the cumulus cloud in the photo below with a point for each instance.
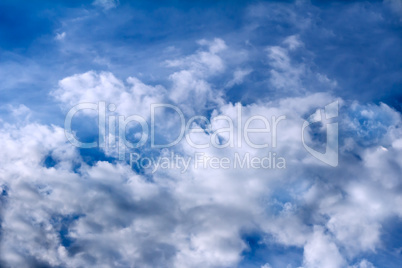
(191, 89)
(61, 211)
(132, 97)
(320, 251)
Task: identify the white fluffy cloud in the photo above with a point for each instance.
(132, 97)
(57, 210)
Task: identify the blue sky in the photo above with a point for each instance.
(63, 206)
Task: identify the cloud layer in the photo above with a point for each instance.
(62, 206)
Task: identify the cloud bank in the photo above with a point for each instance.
(62, 206)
